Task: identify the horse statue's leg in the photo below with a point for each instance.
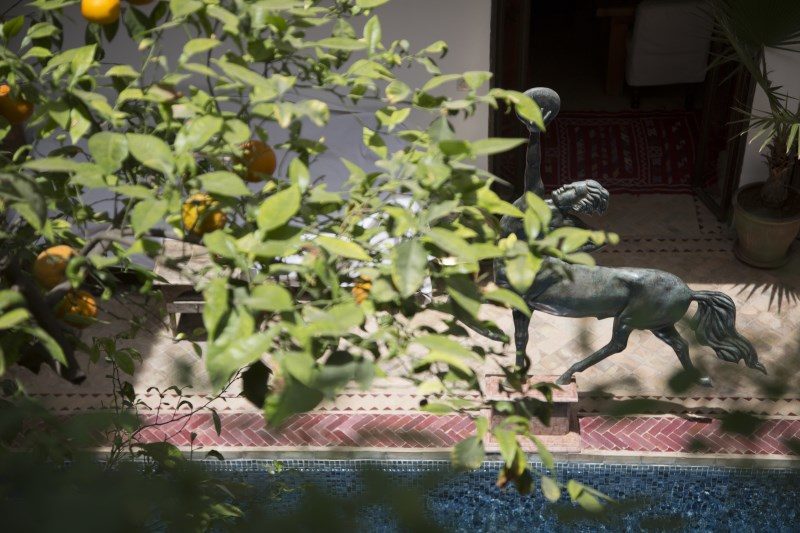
(671, 336)
(521, 325)
(619, 340)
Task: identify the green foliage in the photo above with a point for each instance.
(157, 131)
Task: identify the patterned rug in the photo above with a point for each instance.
(632, 152)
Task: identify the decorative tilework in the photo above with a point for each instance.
(686, 498)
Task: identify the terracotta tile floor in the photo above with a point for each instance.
(674, 233)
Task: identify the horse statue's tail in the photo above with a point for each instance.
(714, 325)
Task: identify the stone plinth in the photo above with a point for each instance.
(562, 434)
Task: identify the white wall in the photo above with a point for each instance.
(784, 71)
(464, 24)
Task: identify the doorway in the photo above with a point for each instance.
(664, 138)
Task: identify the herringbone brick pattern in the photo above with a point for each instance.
(317, 430)
(674, 434)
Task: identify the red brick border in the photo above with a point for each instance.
(426, 431)
(415, 430)
(675, 434)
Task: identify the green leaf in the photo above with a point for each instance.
(436, 81)
(333, 322)
(442, 344)
(151, 152)
(270, 297)
(539, 208)
(220, 243)
(507, 441)
(409, 267)
(348, 249)
(474, 79)
(197, 132)
(216, 305)
(468, 454)
(224, 183)
(550, 489)
(464, 292)
(521, 270)
(397, 91)
(245, 75)
(495, 145)
(372, 33)
(528, 109)
(197, 46)
(49, 343)
(455, 147)
(509, 298)
(14, 318)
(147, 214)
(437, 408)
(109, 150)
(222, 363)
(9, 298)
(52, 164)
(278, 209)
(451, 360)
(182, 8)
(124, 361)
(369, 4)
(340, 43)
(298, 173)
(122, 71)
(451, 243)
(12, 27)
(294, 398)
(544, 454)
(488, 199)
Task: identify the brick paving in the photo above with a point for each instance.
(675, 434)
(650, 434)
(319, 430)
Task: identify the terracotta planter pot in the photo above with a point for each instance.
(763, 241)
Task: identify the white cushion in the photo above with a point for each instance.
(669, 43)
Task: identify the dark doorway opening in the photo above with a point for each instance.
(659, 138)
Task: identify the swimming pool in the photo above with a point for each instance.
(352, 495)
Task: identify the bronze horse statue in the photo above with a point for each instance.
(636, 298)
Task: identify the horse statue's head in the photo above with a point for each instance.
(582, 197)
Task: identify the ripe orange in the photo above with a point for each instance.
(76, 308)
(201, 214)
(259, 158)
(361, 289)
(50, 266)
(100, 11)
(15, 111)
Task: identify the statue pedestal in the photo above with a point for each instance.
(562, 434)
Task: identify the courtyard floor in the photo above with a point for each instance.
(675, 233)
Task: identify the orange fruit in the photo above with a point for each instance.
(259, 158)
(201, 214)
(100, 11)
(15, 111)
(361, 289)
(76, 308)
(50, 266)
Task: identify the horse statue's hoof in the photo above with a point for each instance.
(706, 382)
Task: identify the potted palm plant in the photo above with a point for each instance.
(766, 214)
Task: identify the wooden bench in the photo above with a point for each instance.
(180, 266)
